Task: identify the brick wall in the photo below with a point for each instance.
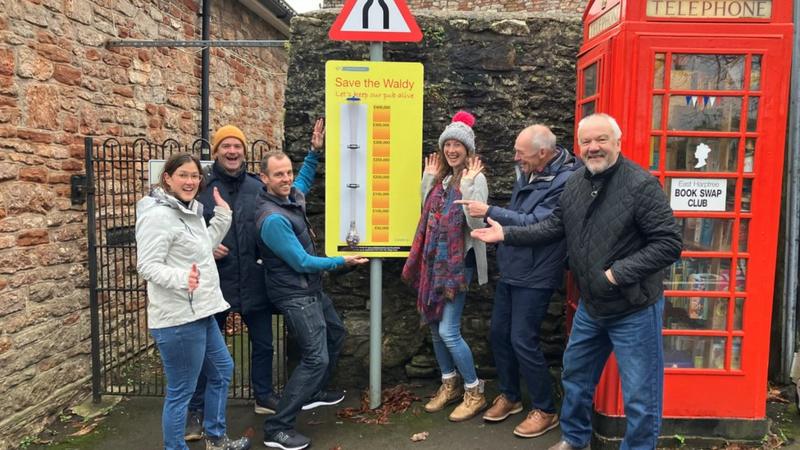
(58, 84)
(575, 7)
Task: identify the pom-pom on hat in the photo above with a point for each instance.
(224, 133)
(460, 129)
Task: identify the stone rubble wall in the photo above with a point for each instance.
(511, 71)
(58, 84)
(573, 7)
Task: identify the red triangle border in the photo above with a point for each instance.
(413, 35)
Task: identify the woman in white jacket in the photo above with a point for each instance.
(174, 255)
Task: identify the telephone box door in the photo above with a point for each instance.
(709, 126)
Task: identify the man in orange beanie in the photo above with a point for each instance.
(241, 276)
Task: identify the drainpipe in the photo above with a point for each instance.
(791, 367)
(205, 152)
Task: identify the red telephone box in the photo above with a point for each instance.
(700, 90)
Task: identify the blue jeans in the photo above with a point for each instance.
(517, 316)
(259, 329)
(319, 334)
(185, 351)
(451, 350)
(636, 341)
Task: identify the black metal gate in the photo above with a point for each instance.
(124, 358)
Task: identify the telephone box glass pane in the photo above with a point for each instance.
(706, 235)
(703, 274)
(749, 154)
(741, 273)
(752, 114)
(707, 72)
(736, 353)
(658, 71)
(747, 192)
(704, 113)
(587, 108)
(737, 314)
(702, 154)
(655, 146)
(695, 313)
(730, 192)
(744, 231)
(755, 73)
(657, 102)
(590, 81)
(699, 352)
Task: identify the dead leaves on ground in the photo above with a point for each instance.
(86, 430)
(395, 400)
(775, 395)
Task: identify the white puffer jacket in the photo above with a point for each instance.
(170, 238)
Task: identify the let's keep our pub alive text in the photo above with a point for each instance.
(385, 88)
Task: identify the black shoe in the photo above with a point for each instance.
(287, 440)
(267, 405)
(225, 443)
(324, 398)
(194, 426)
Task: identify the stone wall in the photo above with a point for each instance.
(571, 7)
(59, 83)
(510, 70)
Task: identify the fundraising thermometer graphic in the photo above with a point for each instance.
(353, 127)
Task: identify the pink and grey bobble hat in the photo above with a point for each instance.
(460, 129)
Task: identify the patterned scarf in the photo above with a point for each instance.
(435, 264)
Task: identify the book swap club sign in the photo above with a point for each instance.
(698, 194)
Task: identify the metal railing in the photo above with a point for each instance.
(125, 360)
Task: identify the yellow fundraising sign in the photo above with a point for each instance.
(373, 154)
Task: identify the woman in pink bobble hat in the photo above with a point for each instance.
(444, 258)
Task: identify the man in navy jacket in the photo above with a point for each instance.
(621, 235)
(238, 263)
(528, 276)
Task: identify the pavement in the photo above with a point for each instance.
(135, 424)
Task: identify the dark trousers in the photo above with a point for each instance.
(516, 321)
(319, 333)
(259, 329)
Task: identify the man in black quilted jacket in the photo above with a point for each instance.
(620, 236)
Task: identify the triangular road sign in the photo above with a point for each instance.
(375, 20)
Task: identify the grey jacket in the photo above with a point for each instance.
(474, 189)
(169, 239)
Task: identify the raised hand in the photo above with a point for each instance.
(218, 200)
(194, 278)
(354, 260)
(474, 167)
(474, 208)
(432, 164)
(493, 233)
(318, 136)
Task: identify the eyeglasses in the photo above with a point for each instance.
(188, 176)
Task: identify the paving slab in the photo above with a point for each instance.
(135, 424)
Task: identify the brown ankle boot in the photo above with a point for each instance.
(450, 391)
(474, 402)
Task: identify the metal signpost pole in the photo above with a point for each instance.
(375, 297)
